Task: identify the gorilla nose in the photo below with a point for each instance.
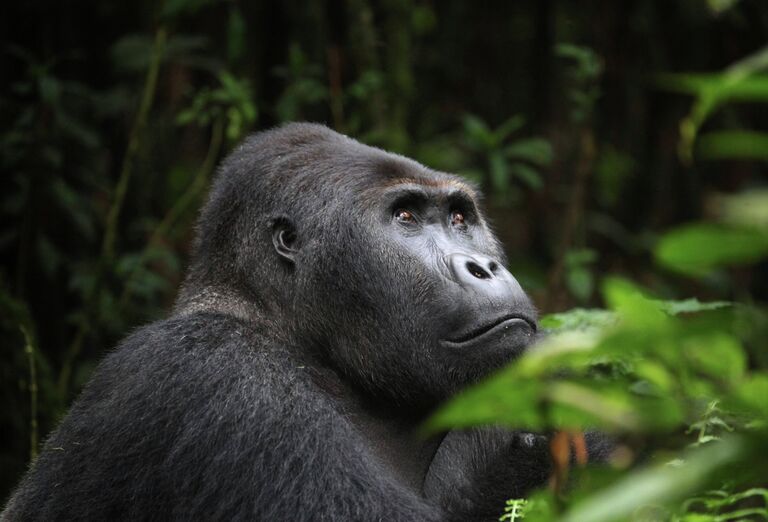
(483, 275)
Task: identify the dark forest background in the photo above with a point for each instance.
(578, 119)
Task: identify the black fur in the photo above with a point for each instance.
(306, 346)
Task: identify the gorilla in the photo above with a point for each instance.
(337, 293)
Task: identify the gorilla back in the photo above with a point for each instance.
(336, 294)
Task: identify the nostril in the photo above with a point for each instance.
(477, 271)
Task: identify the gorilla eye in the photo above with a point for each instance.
(404, 216)
(457, 219)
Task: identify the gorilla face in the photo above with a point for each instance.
(406, 291)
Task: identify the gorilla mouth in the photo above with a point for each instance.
(514, 325)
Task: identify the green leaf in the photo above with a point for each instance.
(718, 355)
(499, 172)
(477, 132)
(687, 306)
(721, 87)
(509, 126)
(628, 300)
(527, 175)
(553, 386)
(535, 150)
(750, 394)
(734, 144)
(578, 319)
(580, 282)
(698, 248)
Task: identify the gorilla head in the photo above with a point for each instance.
(384, 270)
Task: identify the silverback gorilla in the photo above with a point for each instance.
(337, 293)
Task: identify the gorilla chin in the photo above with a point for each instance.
(336, 293)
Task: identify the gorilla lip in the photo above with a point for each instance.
(498, 326)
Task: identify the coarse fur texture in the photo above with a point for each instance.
(337, 293)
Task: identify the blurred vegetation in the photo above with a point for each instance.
(622, 147)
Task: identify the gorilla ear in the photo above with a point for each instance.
(284, 239)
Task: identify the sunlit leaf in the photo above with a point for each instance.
(718, 355)
(628, 300)
(751, 394)
(578, 319)
(692, 305)
(697, 248)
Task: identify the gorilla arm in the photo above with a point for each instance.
(476, 470)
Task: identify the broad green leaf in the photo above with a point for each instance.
(629, 302)
(735, 144)
(751, 394)
(552, 386)
(501, 399)
(578, 319)
(718, 355)
(720, 87)
(700, 247)
(692, 305)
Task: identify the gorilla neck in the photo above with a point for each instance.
(395, 441)
(391, 431)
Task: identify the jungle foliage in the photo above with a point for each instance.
(622, 147)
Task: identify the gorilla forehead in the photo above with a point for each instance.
(301, 159)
